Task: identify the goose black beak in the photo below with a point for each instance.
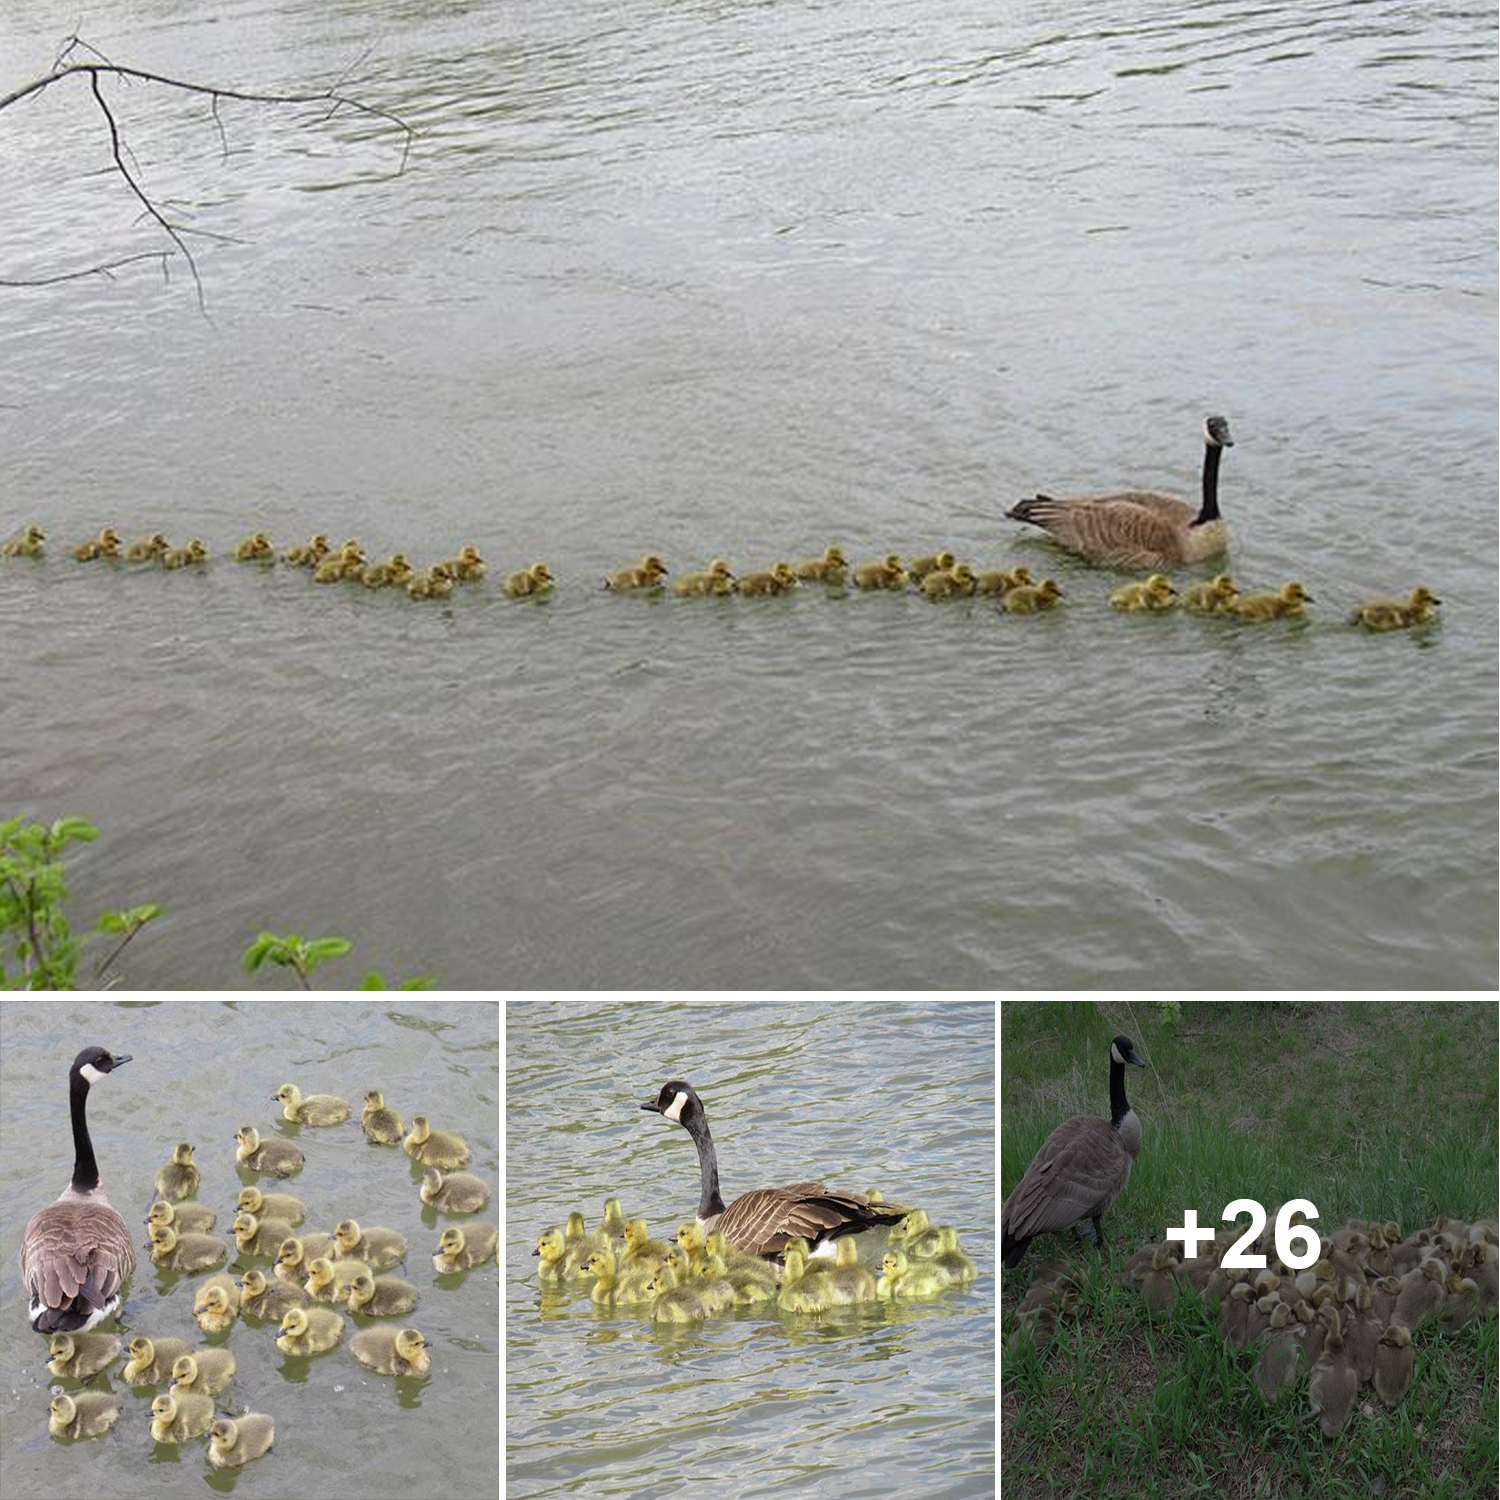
(1138, 1063)
(653, 1106)
(123, 1059)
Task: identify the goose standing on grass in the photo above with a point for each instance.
(1138, 528)
(1082, 1168)
(76, 1253)
(760, 1222)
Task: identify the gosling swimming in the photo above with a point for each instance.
(1393, 614)
(180, 1177)
(382, 1125)
(455, 1193)
(278, 1157)
(234, 1441)
(459, 1249)
(309, 1330)
(314, 1109)
(392, 1351)
(435, 1148)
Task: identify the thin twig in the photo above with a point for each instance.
(101, 270)
(119, 949)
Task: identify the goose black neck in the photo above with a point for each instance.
(709, 1201)
(1210, 511)
(1119, 1105)
(85, 1168)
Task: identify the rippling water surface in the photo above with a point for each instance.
(857, 1094)
(748, 279)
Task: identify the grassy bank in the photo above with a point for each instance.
(1371, 1110)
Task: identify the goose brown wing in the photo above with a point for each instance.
(76, 1247)
(1134, 528)
(762, 1221)
(1078, 1173)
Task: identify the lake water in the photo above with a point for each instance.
(858, 1094)
(197, 1073)
(746, 280)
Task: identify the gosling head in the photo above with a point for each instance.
(1422, 598)
(652, 564)
(184, 1370)
(215, 1300)
(1049, 589)
(289, 1252)
(63, 1409)
(61, 1347)
(346, 1234)
(164, 1407)
(550, 1246)
(294, 1322)
(1294, 593)
(182, 1155)
(163, 1239)
(451, 1242)
(894, 1262)
(249, 1138)
(601, 1263)
(410, 1344)
(225, 1432)
(1396, 1336)
(690, 1235)
(252, 1284)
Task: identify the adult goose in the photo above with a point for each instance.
(1137, 528)
(1082, 1168)
(76, 1254)
(761, 1222)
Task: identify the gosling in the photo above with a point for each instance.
(186, 1252)
(315, 1109)
(647, 574)
(233, 1441)
(1216, 597)
(886, 574)
(257, 1236)
(179, 1178)
(381, 1248)
(1030, 599)
(381, 1297)
(718, 579)
(179, 1418)
(461, 1249)
(277, 1157)
(309, 1330)
(262, 1298)
(151, 1360)
(1392, 614)
(830, 568)
(80, 1356)
(205, 1373)
(1154, 594)
(457, 1193)
(281, 1206)
(191, 1218)
(1286, 604)
(392, 1351)
(216, 1305)
(435, 1148)
(537, 579)
(382, 1126)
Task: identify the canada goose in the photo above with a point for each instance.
(328, 1279)
(205, 1373)
(717, 578)
(467, 566)
(263, 1298)
(1394, 1358)
(382, 1248)
(1030, 599)
(1461, 1303)
(1154, 594)
(1216, 597)
(777, 579)
(309, 1330)
(537, 579)
(1277, 1366)
(76, 1253)
(672, 1303)
(801, 1293)
(1393, 614)
(458, 1249)
(1159, 1285)
(281, 1206)
(950, 583)
(256, 1236)
(308, 555)
(932, 562)
(189, 555)
(951, 1258)
(1383, 1294)
(1285, 604)
(647, 574)
(179, 1178)
(273, 1155)
(147, 549)
(1332, 1383)
(760, 1222)
(1081, 1169)
(216, 1303)
(28, 544)
(381, 1297)
(190, 1218)
(435, 1148)
(1137, 528)
(1002, 581)
(314, 1109)
(86, 1415)
(435, 583)
(233, 1441)
(151, 1360)
(849, 1282)
(185, 1252)
(1234, 1313)
(382, 1126)
(1422, 1294)
(885, 574)
(105, 545)
(392, 1351)
(82, 1355)
(1362, 1333)
(297, 1252)
(180, 1416)
(830, 568)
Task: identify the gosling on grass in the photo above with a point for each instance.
(88, 1414)
(234, 1441)
(1155, 593)
(216, 1304)
(179, 1417)
(647, 574)
(382, 1125)
(1159, 1285)
(257, 1236)
(1031, 598)
(180, 1177)
(392, 1351)
(885, 574)
(151, 1360)
(187, 1218)
(81, 1356)
(269, 1299)
(1393, 614)
(435, 1148)
(105, 545)
(185, 1252)
(1332, 1383)
(830, 568)
(717, 580)
(275, 1156)
(281, 1206)
(1286, 604)
(460, 1249)
(31, 543)
(380, 1248)
(381, 1296)
(1001, 581)
(313, 1109)
(1216, 597)
(526, 582)
(1394, 1359)
(778, 579)
(205, 1372)
(455, 1192)
(309, 1330)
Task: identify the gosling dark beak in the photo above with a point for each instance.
(537, 1251)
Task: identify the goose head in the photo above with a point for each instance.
(678, 1101)
(1216, 432)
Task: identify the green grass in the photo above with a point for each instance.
(1375, 1110)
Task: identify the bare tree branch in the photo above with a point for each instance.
(100, 270)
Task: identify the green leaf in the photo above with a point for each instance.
(420, 982)
(140, 915)
(66, 829)
(258, 951)
(113, 921)
(374, 980)
(323, 948)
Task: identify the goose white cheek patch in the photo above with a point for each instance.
(89, 1071)
(673, 1111)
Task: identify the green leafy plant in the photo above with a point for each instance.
(303, 955)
